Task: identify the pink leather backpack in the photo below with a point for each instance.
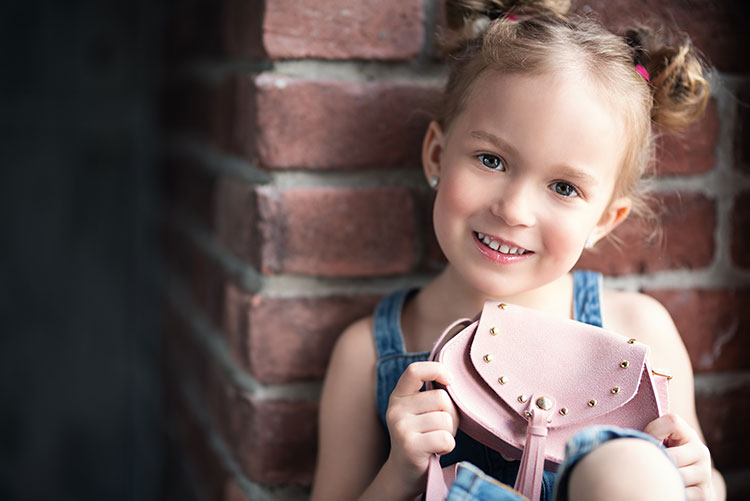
(524, 382)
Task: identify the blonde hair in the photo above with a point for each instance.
(536, 36)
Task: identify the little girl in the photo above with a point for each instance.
(544, 133)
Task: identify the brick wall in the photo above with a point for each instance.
(296, 200)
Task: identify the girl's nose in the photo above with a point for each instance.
(514, 206)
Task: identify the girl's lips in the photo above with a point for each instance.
(499, 251)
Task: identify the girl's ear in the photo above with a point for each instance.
(615, 214)
(432, 149)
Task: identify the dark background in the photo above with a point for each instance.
(79, 272)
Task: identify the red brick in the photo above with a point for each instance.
(715, 325)
(325, 29)
(723, 417)
(291, 339)
(236, 219)
(741, 230)
(223, 204)
(320, 124)
(192, 364)
(338, 232)
(273, 440)
(278, 441)
(233, 492)
(718, 29)
(742, 131)
(694, 150)
(192, 447)
(688, 222)
(285, 431)
(205, 277)
(243, 28)
(235, 323)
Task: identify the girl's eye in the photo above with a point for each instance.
(491, 161)
(564, 189)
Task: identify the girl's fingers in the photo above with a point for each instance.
(417, 374)
(437, 442)
(432, 421)
(695, 474)
(426, 401)
(402, 409)
(671, 429)
(697, 493)
(686, 454)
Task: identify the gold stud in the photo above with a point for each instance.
(527, 413)
(494, 331)
(544, 403)
(624, 364)
(502, 380)
(563, 411)
(488, 358)
(593, 402)
(615, 390)
(523, 398)
(631, 340)
(502, 306)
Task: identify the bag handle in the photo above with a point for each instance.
(447, 336)
(439, 479)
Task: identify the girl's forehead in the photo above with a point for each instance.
(559, 98)
(553, 117)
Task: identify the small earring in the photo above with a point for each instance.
(589, 243)
(433, 181)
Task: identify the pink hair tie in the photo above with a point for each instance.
(644, 73)
(511, 17)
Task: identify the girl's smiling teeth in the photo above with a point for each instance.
(498, 247)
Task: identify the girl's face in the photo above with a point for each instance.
(527, 171)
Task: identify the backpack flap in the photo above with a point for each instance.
(583, 371)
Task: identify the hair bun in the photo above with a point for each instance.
(468, 19)
(678, 84)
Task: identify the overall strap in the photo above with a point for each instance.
(389, 340)
(587, 287)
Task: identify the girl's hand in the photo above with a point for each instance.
(687, 450)
(420, 423)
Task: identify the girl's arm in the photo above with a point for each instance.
(352, 444)
(645, 319)
(351, 454)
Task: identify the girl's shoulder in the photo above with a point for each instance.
(625, 312)
(356, 342)
(640, 316)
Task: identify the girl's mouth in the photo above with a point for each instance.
(502, 248)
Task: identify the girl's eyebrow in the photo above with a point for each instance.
(566, 171)
(491, 138)
(578, 176)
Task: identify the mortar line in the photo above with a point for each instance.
(220, 163)
(212, 339)
(716, 276)
(245, 275)
(251, 489)
(719, 383)
(184, 145)
(417, 70)
(287, 285)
